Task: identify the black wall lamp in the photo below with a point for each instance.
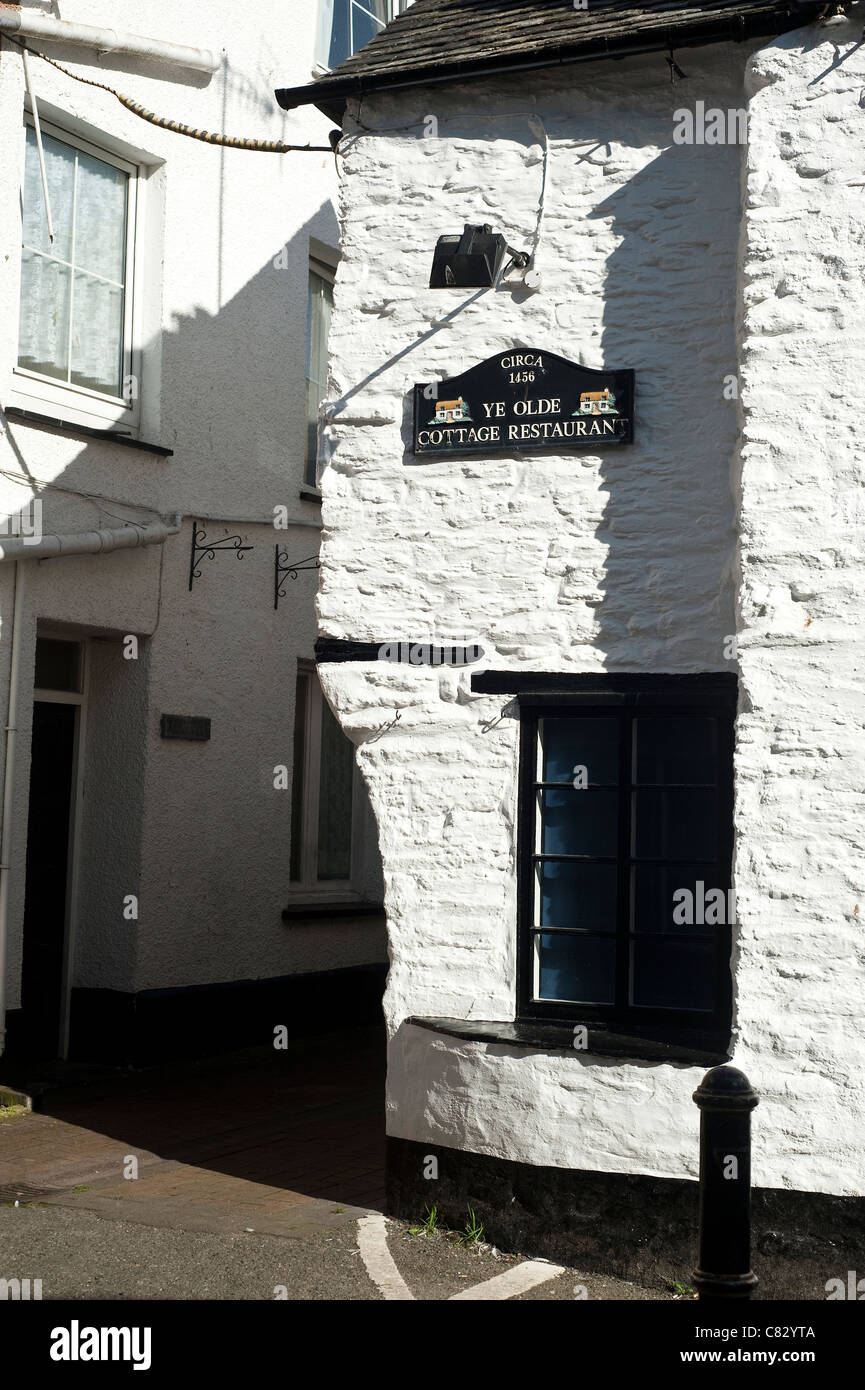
(473, 260)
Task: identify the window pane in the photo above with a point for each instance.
(60, 174)
(578, 969)
(100, 218)
(365, 25)
(674, 824)
(673, 974)
(97, 192)
(301, 706)
(334, 807)
(579, 822)
(678, 900)
(589, 743)
(576, 895)
(58, 665)
(97, 335)
(319, 306)
(676, 750)
(339, 48)
(43, 344)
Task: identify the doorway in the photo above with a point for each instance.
(57, 710)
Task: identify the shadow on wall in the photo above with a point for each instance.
(233, 408)
(668, 524)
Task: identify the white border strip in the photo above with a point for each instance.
(513, 1282)
(372, 1243)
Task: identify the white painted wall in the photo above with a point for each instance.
(225, 243)
(626, 561)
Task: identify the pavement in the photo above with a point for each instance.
(258, 1175)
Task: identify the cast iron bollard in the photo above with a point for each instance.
(726, 1099)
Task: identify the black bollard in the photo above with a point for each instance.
(726, 1099)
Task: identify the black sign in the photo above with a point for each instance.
(191, 726)
(521, 399)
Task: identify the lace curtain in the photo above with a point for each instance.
(73, 291)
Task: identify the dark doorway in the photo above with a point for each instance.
(48, 825)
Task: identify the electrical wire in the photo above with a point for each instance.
(40, 485)
(177, 127)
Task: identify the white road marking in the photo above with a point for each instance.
(380, 1266)
(382, 1270)
(514, 1281)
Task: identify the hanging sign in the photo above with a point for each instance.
(524, 399)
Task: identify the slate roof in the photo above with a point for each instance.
(455, 40)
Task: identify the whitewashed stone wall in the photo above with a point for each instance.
(626, 561)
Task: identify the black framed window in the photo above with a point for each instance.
(625, 857)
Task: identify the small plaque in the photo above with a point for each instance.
(189, 726)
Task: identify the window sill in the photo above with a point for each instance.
(537, 1036)
(50, 422)
(316, 911)
(308, 495)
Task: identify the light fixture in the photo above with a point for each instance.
(473, 259)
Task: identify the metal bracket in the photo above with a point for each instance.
(281, 571)
(201, 546)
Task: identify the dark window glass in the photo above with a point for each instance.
(297, 774)
(673, 974)
(58, 665)
(676, 750)
(576, 968)
(674, 824)
(579, 822)
(677, 899)
(334, 804)
(569, 744)
(576, 895)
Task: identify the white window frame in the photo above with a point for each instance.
(79, 404)
(308, 887)
(323, 37)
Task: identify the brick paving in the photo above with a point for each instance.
(263, 1132)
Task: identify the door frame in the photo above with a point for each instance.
(76, 817)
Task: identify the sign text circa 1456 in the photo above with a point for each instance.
(521, 399)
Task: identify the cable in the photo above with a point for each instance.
(230, 141)
(41, 485)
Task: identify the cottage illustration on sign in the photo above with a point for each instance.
(448, 411)
(597, 403)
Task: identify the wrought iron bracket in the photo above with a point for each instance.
(282, 569)
(201, 546)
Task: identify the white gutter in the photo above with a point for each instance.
(48, 547)
(88, 542)
(51, 30)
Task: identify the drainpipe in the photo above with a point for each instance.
(89, 542)
(18, 550)
(9, 787)
(51, 30)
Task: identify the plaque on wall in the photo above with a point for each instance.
(524, 399)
